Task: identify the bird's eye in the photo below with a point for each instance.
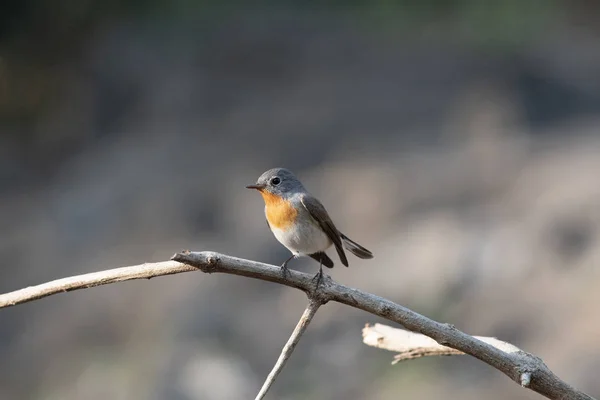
(275, 181)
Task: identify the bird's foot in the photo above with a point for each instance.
(285, 271)
(318, 278)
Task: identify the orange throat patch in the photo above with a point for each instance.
(280, 213)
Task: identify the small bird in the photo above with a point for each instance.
(300, 222)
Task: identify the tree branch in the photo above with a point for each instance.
(514, 365)
(142, 271)
(289, 347)
(411, 345)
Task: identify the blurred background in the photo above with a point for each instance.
(458, 140)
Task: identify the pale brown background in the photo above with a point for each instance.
(458, 141)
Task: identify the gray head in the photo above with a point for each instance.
(278, 181)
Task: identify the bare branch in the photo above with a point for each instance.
(513, 365)
(289, 347)
(142, 271)
(410, 345)
(516, 366)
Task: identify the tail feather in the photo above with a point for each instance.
(355, 248)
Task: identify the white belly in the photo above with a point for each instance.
(306, 240)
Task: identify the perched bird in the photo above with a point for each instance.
(300, 222)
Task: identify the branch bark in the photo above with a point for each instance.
(514, 365)
(142, 271)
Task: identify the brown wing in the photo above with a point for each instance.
(318, 212)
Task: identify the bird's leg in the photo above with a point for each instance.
(319, 276)
(284, 269)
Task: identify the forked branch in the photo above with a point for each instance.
(523, 368)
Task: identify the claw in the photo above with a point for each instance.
(284, 269)
(318, 279)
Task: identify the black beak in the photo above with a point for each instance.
(256, 186)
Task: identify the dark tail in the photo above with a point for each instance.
(322, 258)
(356, 248)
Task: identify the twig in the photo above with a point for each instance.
(411, 345)
(289, 347)
(514, 365)
(143, 271)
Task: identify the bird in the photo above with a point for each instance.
(301, 223)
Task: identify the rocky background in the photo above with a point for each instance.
(458, 140)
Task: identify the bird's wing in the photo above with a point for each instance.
(319, 214)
